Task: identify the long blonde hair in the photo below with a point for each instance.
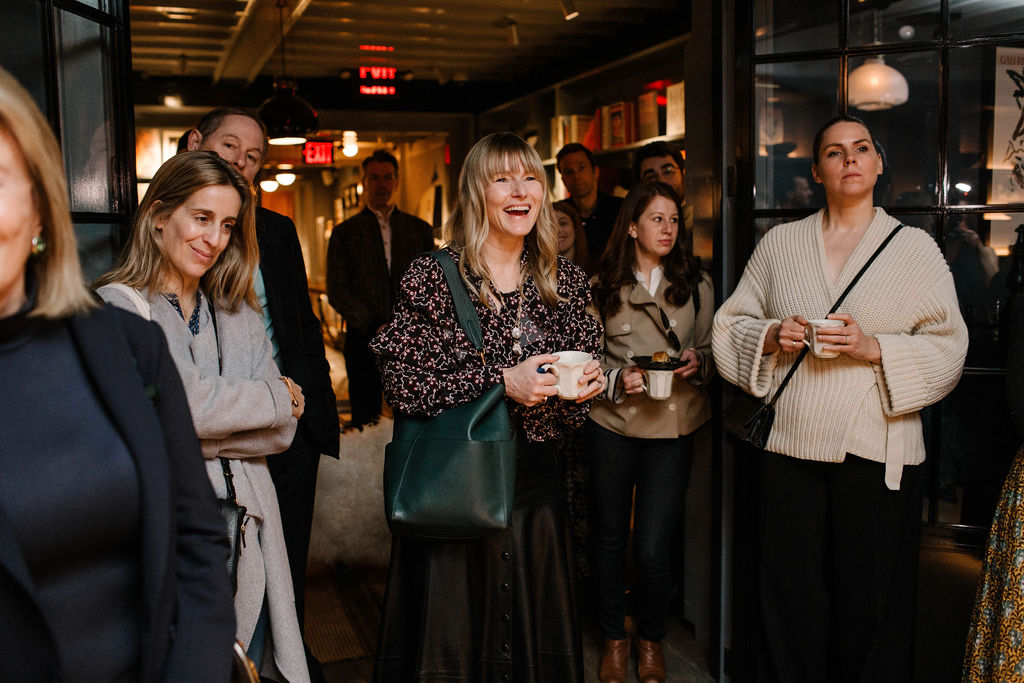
(142, 262)
(60, 289)
(468, 225)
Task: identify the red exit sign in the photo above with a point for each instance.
(376, 80)
(318, 152)
(378, 73)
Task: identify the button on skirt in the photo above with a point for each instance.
(499, 608)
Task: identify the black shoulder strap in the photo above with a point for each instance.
(835, 306)
(464, 307)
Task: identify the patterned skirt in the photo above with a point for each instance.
(995, 643)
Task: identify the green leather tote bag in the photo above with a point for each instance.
(452, 477)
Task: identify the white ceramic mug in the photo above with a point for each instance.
(811, 339)
(568, 369)
(659, 384)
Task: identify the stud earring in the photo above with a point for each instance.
(38, 245)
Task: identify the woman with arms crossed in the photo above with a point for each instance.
(191, 256)
(840, 481)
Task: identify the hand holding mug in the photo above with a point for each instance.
(787, 335)
(592, 379)
(851, 340)
(527, 383)
(632, 379)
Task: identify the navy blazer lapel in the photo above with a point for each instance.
(104, 350)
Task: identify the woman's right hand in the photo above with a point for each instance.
(298, 400)
(526, 384)
(632, 379)
(787, 335)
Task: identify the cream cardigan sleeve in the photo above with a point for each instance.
(740, 327)
(924, 365)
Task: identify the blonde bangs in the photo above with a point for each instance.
(468, 226)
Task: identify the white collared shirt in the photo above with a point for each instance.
(656, 274)
(384, 221)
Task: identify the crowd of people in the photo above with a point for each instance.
(229, 375)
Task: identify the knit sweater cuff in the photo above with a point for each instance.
(756, 367)
(901, 385)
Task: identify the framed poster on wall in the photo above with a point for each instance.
(1006, 157)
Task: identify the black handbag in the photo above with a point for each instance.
(758, 427)
(233, 513)
(452, 477)
(234, 517)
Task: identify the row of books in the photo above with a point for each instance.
(623, 123)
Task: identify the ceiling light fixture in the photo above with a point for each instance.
(269, 185)
(285, 179)
(513, 31)
(289, 118)
(172, 100)
(349, 146)
(569, 10)
(874, 85)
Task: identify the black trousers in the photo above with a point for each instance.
(838, 570)
(364, 388)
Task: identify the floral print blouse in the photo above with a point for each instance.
(429, 365)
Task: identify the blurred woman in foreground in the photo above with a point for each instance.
(113, 555)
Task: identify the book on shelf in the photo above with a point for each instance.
(648, 115)
(675, 110)
(592, 138)
(621, 121)
(559, 133)
(568, 128)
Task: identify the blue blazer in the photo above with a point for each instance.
(188, 622)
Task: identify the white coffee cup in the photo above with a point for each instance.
(568, 369)
(812, 331)
(658, 384)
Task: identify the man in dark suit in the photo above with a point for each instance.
(597, 210)
(366, 258)
(294, 330)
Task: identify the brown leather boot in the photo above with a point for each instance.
(650, 667)
(614, 661)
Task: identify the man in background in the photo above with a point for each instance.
(665, 163)
(239, 137)
(597, 210)
(366, 258)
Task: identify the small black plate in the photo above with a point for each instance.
(646, 363)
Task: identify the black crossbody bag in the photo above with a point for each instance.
(759, 426)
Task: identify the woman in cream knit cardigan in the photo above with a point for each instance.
(188, 266)
(839, 483)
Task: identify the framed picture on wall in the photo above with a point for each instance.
(1006, 157)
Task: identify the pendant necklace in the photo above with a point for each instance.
(517, 331)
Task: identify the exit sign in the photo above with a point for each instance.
(318, 152)
(377, 80)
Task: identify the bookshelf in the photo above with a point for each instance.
(586, 95)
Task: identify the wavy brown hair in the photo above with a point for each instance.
(682, 270)
(468, 225)
(142, 263)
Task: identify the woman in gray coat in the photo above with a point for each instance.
(189, 266)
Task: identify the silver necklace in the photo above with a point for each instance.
(517, 330)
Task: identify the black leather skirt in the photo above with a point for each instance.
(499, 608)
